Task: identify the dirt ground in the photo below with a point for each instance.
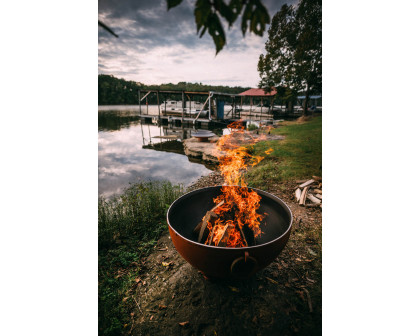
(283, 299)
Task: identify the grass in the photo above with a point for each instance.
(128, 228)
(299, 156)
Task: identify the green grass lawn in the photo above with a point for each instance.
(299, 156)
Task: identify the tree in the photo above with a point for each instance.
(294, 50)
(208, 12)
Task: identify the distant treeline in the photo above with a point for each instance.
(118, 91)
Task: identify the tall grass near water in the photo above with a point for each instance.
(138, 212)
(128, 228)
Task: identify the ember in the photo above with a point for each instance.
(234, 221)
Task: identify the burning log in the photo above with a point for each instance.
(225, 236)
(211, 217)
(242, 234)
(211, 236)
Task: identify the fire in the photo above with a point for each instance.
(237, 219)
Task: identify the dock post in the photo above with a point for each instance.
(147, 105)
(157, 95)
(139, 101)
(183, 101)
(209, 106)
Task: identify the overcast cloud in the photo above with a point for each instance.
(157, 46)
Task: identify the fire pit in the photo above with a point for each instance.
(227, 262)
(203, 136)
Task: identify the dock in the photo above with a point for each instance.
(206, 109)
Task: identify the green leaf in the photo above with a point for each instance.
(246, 16)
(259, 19)
(236, 8)
(226, 12)
(202, 11)
(216, 32)
(173, 3)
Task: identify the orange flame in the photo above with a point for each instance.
(240, 206)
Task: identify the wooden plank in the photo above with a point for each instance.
(225, 236)
(203, 109)
(309, 182)
(313, 199)
(313, 205)
(211, 235)
(165, 137)
(242, 234)
(216, 206)
(209, 217)
(303, 196)
(318, 196)
(298, 193)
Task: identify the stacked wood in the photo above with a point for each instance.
(205, 236)
(309, 192)
(201, 229)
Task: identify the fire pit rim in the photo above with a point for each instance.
(286, 207)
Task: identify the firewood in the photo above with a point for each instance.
(197, 229)
(303, 196)
(242, 234)
(216, 206)
(211, 235)
(298, 193)
(318, 191)
(313, 199)
(317, 178)
(313, 205)
(318, 196)
(209, 217)
(225, 236)
(309, 182)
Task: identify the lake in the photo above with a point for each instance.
(128, 151)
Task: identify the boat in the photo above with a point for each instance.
(191, 109)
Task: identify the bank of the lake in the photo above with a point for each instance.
(130, 225)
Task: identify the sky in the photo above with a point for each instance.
(157, 46)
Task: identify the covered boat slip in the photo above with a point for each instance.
(203, 107)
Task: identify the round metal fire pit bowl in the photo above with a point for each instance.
(226, 262)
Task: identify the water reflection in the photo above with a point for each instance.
(128, 150)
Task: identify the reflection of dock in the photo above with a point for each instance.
(169, 132)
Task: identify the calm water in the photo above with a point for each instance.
(128, 151)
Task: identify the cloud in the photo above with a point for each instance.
(159, 46)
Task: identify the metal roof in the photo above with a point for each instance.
(258, 93)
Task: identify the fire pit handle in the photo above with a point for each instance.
(244, 266)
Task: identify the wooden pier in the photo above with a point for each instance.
(209, 110)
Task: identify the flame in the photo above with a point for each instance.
(240, 206)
